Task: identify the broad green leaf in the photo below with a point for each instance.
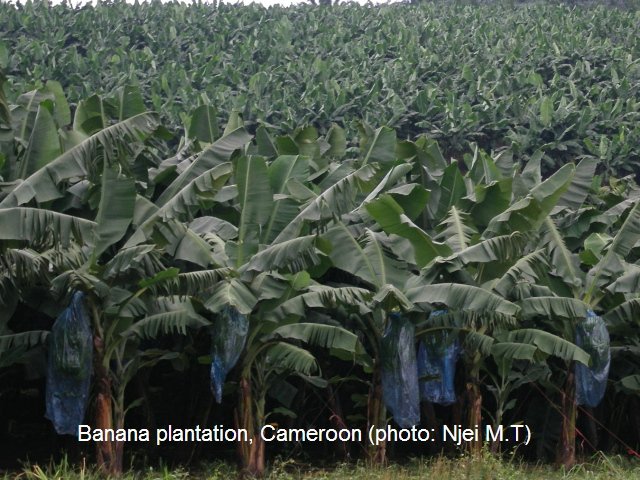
(335, 201)
(382, 147)
(625, 313)
(529, 213)
(546, 111)
(631, 383)
(217, 153)
(457, 229)
(42, 186)
(265, 145)
(497, 249)
(44, 144)
(284, 169)
(289, 358)
(163, 276)
(550, 344)
(192, 248)
(256, 202)
(580, 186)
(322, 296)
(483, 168)
(292, 255)
(326, 336)
(232, 293)
(34, 225)
(554, 307)
(61, 112)
(4, 55)
(336, 137)
(565, 263)
(90, 116)
(625, 239)
(365, 258)
(391, 218)
(130, 102)
(513, 351)
(175, 321)
(462, 297)
(115, 211)
(452, 189)
(234, 124)
(530, 268)
(185, 203)
(204, 124)
(626, 283)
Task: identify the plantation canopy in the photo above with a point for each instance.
(266, 3)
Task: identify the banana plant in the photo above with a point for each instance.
(478, 218)
(95, 179)
(253, 247)
(587, 252)
(381, 246)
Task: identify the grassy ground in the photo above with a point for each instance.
(464, 468)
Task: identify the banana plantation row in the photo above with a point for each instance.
(297, 254)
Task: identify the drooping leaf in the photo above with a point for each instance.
(366, 258)
(529, 268)
(581, 184)
(290, 358)
(218, 153)
(293, 255)
(554, 307)
(177, 320)
(501, 248)
(42, 186)
(626, 238)
(529, 213)
(457, 229)
(186, 202)
(232, 293)
(335, 201)
(626, 313)
(462, 297)
(35, 225)
(550, 344)
(326, 336)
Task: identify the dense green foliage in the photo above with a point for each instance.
(561, 80)
(309, 234)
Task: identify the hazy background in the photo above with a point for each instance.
(266, 3)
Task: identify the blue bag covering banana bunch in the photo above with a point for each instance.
(591, 382)
(227, 342)
(437, 357)
(400, 371)
(69, 367)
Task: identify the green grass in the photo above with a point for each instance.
(461, 468)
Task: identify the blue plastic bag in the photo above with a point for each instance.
(227, 342)
(400, 371)
(591, 382)
(437, 357)
(69, 367)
